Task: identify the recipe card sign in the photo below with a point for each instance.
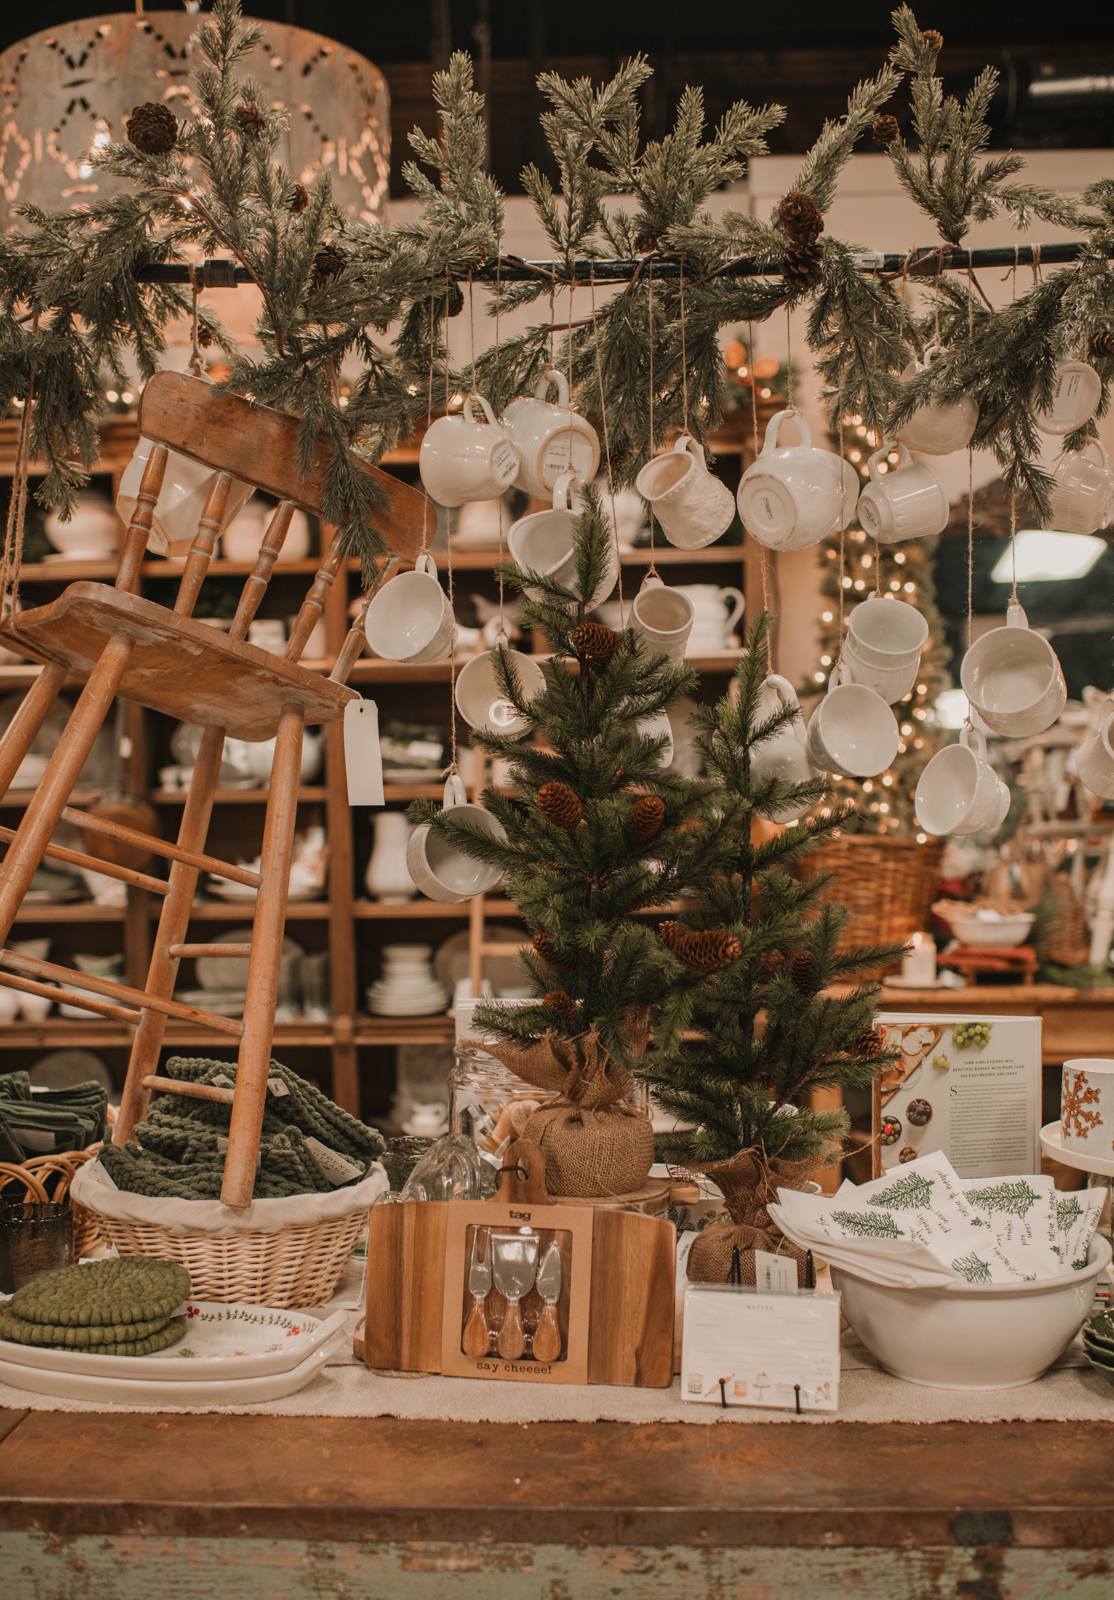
(742, 1348)
(968, 1085)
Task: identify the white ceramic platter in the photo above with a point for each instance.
(231, 972)
(1052, 1144)
(155, 1391)
(452, 958)
(222, 1343)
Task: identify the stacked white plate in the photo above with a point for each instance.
(230, 1355)
(408, 987)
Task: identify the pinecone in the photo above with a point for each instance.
(933, 38)
(1101, 344)
(557, 1000)
(594, 643)
(770, 961)
(645, 242)
(800, 971)
(454, 300)
(299, 200)
(869, 1045)
(670, 934)
(329, 262)
(647, 816)
(801, 217)
(619, 778)
(250, 118)
(885, 129)
(708, 951)
(800, 267)
(559, 805)
(547, 953)
(152, 128)
(204, 336)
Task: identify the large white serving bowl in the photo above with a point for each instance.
(971, 1336)
(1001, 932)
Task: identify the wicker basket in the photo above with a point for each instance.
(888, 885)
(33, 1173)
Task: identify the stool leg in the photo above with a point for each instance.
(41, 817)
(173, 923)
(21, 730)
(263, 968)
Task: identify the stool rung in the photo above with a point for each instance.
(160, 847)
(110, 869)
(101, 1007)
(29, 967)
(186, 950)
(194, 1091)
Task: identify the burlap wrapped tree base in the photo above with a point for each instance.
(749, 1182)
(595, 1145)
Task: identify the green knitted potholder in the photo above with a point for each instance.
(23, 1332)
(101, 1294)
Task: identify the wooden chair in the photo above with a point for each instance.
(122, 645)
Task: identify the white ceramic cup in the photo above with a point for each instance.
(441, 871)
(185, 488)
(1094, 761)
(852, 732)
(716, 612)
(550, 439)
(659, 727)
(1013, 680)
(936, 429)
(883, 649)
(410, 619)
(784, 754)
(908, 503)
(959, 792)
(544, 542)
(462, 459)
(1082, 493)
(482, 702)
(791, 496)
(693, 506)
(662, 618)
(1076, 392)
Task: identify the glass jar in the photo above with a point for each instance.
(482, 1095)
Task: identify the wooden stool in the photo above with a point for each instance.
(970, 960)
(122, 645)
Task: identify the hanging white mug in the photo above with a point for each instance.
(908, 503)
(1094, 761)
(938, 428)
(852, 732)
(784, 754)
(1081, 498)
(441, 871)
(883, 649)
(482, 701)
(550, 439)
(1013, 680)
(462, 459)
(693, 506)
(791, 496)
(1076, 392)
(410, 619)
(544, 542)
(662, 618)
(959, 792)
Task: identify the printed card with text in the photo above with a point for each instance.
(744, 1348)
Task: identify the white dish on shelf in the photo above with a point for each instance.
(244, 893)
(162, 1392)
(231, 972)
(1001, 932)
(1052, 1143)
(453, 961)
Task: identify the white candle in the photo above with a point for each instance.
(919, 966)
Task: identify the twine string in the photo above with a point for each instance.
(12, 560)
(684, 355)
(651, 570)
(765, 560)
(606, 443)
(789, 357)
(197, 364)
(502, 614)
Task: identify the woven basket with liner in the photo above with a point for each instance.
(888, 885)
(284, 1253)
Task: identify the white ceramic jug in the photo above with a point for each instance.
(387, 877)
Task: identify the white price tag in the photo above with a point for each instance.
(363, 761)
(222, 1081)
(276, 1087)
(774, 1274)
(336, 1167)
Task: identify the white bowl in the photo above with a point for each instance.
(971, 1336)
(1000, 931)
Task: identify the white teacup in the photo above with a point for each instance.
(1013, 680)
(482, 701)
(693, 506)
(784, 754)
(1082, 493)
(543, 542)
(462, 459)
(186, 486)
(550, 439)
(659, 727)
(662, 619)
(1094, 761)
(908, 503)
(791, 497)
(716, 613)
(852, 732)
(1076, 392)
(959, 792)
(441, 871)
(883, 649)
(410, 619)
(937, 429)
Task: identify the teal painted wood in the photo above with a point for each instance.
(46, 1567)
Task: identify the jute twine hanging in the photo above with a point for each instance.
(749, 1181)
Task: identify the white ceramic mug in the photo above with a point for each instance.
(662, 618)
(441, 871)
(791, 497)
(852, 732)
(716, 613)
(1094, 761)
(959, 792)
(461, 459)
(1082, 494)
(550, 439)
(883, 649)
(908, 503)
(482, 701)
(544, 542)
(659, 727)
(936, 429)
(1076, 392)
(410, 619)
(1013, 680)
(693, 506)
(186, 486)
(784, 754)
